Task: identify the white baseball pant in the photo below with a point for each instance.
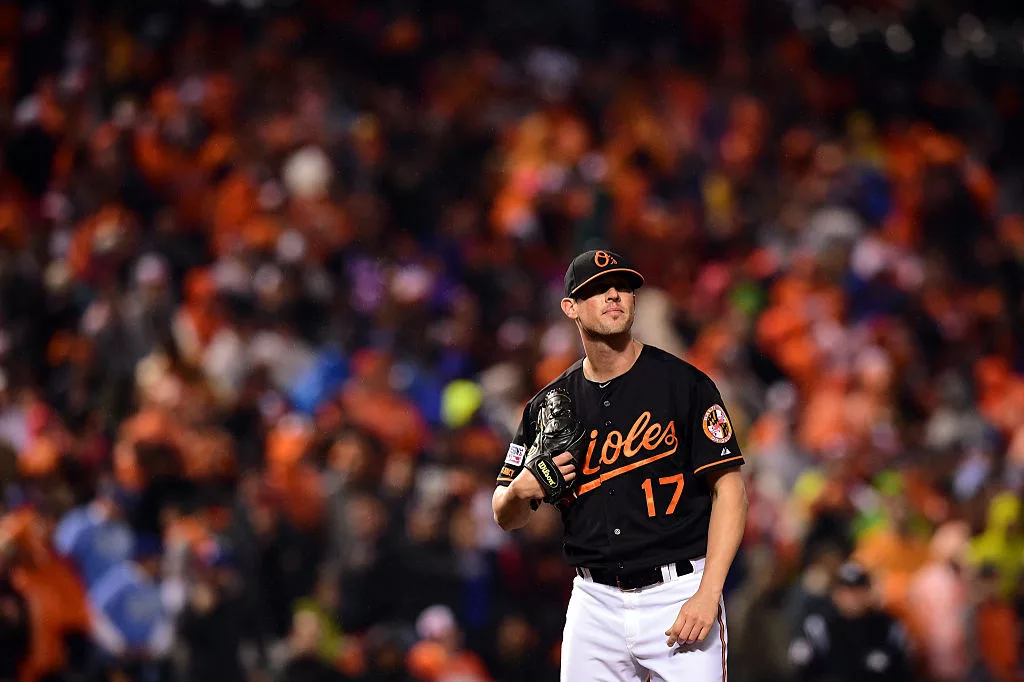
(614, 635)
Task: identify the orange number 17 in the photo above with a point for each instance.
(665, 480)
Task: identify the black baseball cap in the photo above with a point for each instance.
(590, 265)
(852, 574)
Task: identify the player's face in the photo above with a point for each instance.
(605, 307)
(852, 602)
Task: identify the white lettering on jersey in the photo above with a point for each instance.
(800, 652)
(817, 632)
(877, 661)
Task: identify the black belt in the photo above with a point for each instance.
(634, 580)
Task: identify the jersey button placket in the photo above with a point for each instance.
(608, 422)
(609, 509)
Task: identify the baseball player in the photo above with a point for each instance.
(848, 638)
(636, 449)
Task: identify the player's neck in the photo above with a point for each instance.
(608, 358)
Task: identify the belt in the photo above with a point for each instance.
(643, 577)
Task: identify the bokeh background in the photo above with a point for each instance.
(276, 278)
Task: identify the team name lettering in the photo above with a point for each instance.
(643, 437)
(507, 471)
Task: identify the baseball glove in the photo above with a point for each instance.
(558, 430)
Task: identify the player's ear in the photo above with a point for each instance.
(569, 308)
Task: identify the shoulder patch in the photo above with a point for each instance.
(716, 424)
(515, 454)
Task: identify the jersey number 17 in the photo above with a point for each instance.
(664, 480)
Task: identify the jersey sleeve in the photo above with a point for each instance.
(516, 453)
(714, 445)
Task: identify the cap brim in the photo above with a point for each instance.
(638, 279)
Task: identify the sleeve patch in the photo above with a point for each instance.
(515, 454)
(716, 424)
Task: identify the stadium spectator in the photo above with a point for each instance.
(274, 287)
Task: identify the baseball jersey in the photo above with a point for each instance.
(651, 436)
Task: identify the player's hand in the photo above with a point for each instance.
(695, 620)
(528, 487)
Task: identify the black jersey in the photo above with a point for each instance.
(831, 648)
(652, 434)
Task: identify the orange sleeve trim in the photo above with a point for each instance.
(504, 478)
(714, 464)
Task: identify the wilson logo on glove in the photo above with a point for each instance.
(558, 431)
(542, 466)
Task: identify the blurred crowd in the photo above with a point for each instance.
(276, 279)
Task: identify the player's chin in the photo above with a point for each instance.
(618, 327)
(609, 329)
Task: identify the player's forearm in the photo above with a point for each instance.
(511, 510)
(725, 532)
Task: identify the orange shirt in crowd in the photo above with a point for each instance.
(431, 661)
(389, 416)
(54, 595)
(300, 491)
(57, 607)
(892, 559)
(998, 639)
